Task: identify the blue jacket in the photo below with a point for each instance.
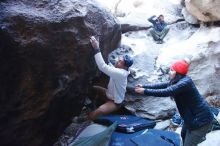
(192, 106)
(158, 26)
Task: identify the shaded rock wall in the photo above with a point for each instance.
(47, 65)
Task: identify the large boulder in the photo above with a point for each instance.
(205, 71)
(47, 65)
(189, 17)
(148, 106)
(204, 10)
(151, 107)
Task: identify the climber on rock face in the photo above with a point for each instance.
(160, 28)
(118, 81)
(115, 92)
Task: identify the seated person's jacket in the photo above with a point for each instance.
(158, 26)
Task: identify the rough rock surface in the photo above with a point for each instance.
(204, 10)
(148, 106)
(47, 65)
(189, 17)
(205, 71)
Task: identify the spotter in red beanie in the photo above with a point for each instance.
(180, 67)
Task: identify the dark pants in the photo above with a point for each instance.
(194, 137)
(157, 36)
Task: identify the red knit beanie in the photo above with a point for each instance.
(180, 67)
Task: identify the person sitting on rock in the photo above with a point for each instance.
(118, 74)
(192, 107)
(160, 29)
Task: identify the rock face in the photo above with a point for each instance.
(189, 17)
(152, 107)
(47, 65)
(204, 10)
(148, 106)
(205, 70)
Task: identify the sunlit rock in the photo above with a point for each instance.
(204, 10)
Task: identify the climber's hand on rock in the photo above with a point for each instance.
(94, 42)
